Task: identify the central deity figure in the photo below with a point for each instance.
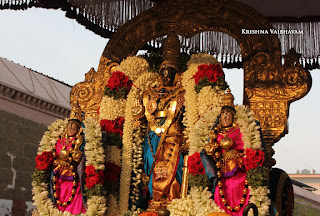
(163, 111)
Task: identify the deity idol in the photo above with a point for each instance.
(225, 154)
(68, 169)
(163, 111)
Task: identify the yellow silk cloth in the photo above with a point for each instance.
(168, 155)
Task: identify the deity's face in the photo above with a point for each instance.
(167, 75)
(226, 117)
(72, 129)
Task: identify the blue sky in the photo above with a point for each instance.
(48, 42)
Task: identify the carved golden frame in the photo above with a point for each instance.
(269, 87)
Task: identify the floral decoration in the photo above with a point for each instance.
(112, 126)
(96, 204)
(133, 67)
(195, 165)
(120, 152)
(209, 75)
(257, 177)
(113, 173)
(198, 203)
(199, 118)
(212, 72)
(118, 85)
(44, 161)
(111, 108)
(92, 177)
(253, 159)
(201, 114)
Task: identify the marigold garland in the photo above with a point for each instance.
(40, 190)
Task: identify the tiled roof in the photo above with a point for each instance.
(35, 84)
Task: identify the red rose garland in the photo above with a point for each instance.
(195, 164)
(118, 86)
(115, 126)
(253, 159)
(92, 177)
(211, 71)
(44, 161)
(119, 80)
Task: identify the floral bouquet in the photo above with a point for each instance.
(209, 75)
(118, 86)
(197, 174)
(43, 166)
(257, 174)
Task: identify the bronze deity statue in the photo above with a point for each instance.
(163, 107)
(67, 172)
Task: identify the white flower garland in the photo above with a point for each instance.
(197, 203)
(142, 83)
(208, 98)
(250, 133)
(196, 104)
(112, 109)
(200, 135)
(136, 68)
(113, 155)
(50, 137)
(113, 207)
(93, 148)
(202, 58)
(133, 66)
(137, 161)
(191, 104)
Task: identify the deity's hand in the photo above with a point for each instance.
(137, 109)
(184, 149)
(209, 149)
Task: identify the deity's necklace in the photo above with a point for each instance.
(153, 124)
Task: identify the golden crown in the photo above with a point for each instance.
(171, 52)
(227, 99)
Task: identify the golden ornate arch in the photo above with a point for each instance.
(269, 87)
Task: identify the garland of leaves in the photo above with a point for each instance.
(95, 158)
